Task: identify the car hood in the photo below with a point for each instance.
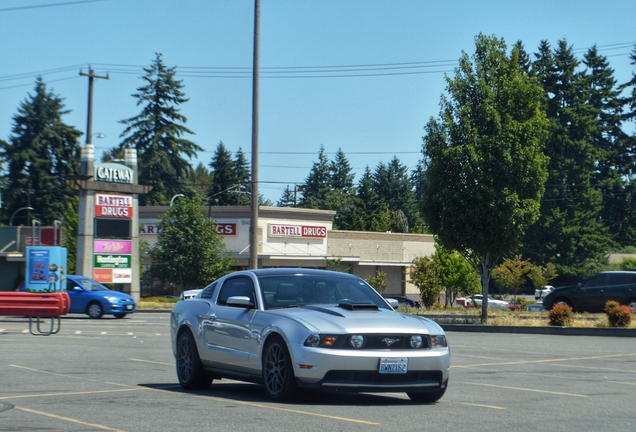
(335, 319)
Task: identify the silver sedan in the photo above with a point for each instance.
(301, 329)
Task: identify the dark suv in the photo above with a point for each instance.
(592, 294)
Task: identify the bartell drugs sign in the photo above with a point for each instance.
(113, 206)
(303, 231)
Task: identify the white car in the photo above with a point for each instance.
(539, 293)
(492, 303)
(189, 294)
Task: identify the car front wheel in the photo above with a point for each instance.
(95, 310)
(278, 372)
(428, 397)
(190, 370)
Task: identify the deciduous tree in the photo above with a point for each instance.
(189, 252)
(485, 170)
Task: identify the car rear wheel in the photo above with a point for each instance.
(562, 302)
(95, 310)
(190, 370)
(428, 397)
(278, 372)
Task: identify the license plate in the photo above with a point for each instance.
(129, 307)
(393, 365)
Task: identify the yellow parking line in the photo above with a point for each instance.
(71, 420)
(543, 361)
(521, 389)
(78, 332)
(71, 393)
(257, 405)
(475, 405)
(150, 361)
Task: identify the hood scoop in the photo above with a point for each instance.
(349, 305)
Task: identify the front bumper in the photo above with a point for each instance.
(358, 371)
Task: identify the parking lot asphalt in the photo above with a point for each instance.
(118, 375)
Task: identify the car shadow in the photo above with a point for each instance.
(254, 393)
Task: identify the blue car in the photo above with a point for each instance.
(94, 299)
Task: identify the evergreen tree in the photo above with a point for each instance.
(243, 177)
(287, 199)
(609, 141)
(317, 184)
(523, 58)
(115, 154)
(157, 134)
(201, 180)
(341, 176)
(224, 182)
(568, 232)
(42, 151)
(393, 186)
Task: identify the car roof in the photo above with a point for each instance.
(292, 272)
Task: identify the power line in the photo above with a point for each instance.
(49, 5)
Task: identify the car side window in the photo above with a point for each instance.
(71, 285)
(239, 286)
(595, 281)
(620, 279)
(209, 291)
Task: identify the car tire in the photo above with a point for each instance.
(119, 315)
(561, 301)
(428, 397)
(278, 371)
(190, 370)
(95, 310)
(632, 304)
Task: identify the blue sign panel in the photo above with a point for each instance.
(45, 269)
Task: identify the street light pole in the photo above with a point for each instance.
(175, 197)
(15, 212)
(254, 197)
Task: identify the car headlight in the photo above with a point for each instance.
(416, 341)
(112, 299)
(356, 341)
(320, 340)
(438, 341)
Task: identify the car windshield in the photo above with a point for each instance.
(91, 285)
(283, 291)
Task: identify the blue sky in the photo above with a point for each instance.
(363, 76)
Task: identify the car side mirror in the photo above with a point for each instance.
(393, 303)
(242, 301)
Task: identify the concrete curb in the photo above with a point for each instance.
(563, 331)
(478, 328)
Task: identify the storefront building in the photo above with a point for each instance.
(296, 237)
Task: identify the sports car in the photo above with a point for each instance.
(300, 329)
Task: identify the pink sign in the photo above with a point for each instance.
(113, 246)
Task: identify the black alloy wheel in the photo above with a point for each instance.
(190, 370)
(278, 371)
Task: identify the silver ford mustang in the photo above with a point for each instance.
(301, 329)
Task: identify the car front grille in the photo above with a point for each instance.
(371, 378)
(384, 342)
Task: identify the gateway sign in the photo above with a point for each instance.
(302, 231)
(114, 173)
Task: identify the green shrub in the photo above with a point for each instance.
(618, 315)
(560, 315)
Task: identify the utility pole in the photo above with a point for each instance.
(254, 196)
(89, 127)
